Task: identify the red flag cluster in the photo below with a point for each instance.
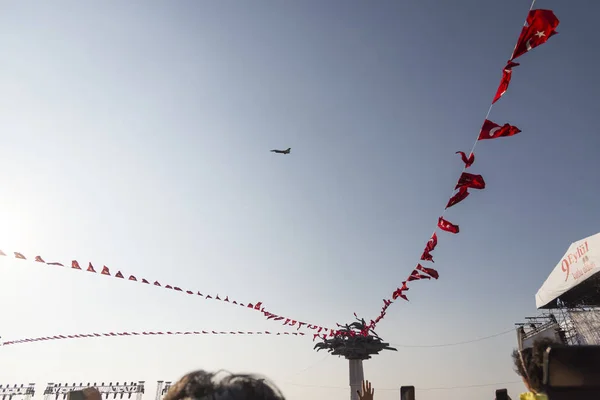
(258, 306)
(539, 27)
(116, 334)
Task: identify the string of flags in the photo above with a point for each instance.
(256, 306)
(539, 26)
(159, 333)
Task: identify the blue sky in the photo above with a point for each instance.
(136, 135)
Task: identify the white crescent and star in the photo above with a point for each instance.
(493, 131)
(539, 34)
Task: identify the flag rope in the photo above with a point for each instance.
(258, 306)
(145, 333)
(420, 272)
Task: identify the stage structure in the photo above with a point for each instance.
(572, 292)
(14, 392)
(355, 342)
(544, 326)
(56, 391)
(162, 388)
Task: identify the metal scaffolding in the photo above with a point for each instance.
(54, 391)
(17, 391)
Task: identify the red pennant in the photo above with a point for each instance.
(119, 275)
(19, 256)
(145, 281)
(2, 253)
(505, 81)
(55, 263)
(468, 161)
(541, 26)
(90, 268)
(415, 276)
(462, 194)
(491, 130)
(105, 271)
(132, 278)
(426, 256)
(470, 181)
(447, 226)
(156, 283)
(430, 271)
(75, 264)
(40, 259)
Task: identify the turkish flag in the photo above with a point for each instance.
(447, 226)
(541, 26)
(470, 181)
(505, 81)
(430, 271)
(431, 243)
(415, 276)
(105, 271)
(19, 256)
(462, 194)
(467, 160)
(398, 293)
(75, 264)
(90, 268)
(491, 130)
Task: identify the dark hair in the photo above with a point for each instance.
(529, 364)
(205, 385)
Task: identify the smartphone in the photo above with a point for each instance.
(572, 372)
(502, 394)
(76, 395)
(407, 393)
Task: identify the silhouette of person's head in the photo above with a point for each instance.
(529, 364)
(202, 385)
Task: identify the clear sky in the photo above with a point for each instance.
(136, 134)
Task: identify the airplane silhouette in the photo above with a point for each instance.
(287, 151)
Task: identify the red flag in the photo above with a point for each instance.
(470, 181)
(20, 256)
(168, 287)
(119, 275)
(40, 259)
(426, 256)
(145, 281)
(133, 278)
(462, 194)
(156, 283)
(105, 271)
(415, 276)
(491, 130)
(90, 268)
(257, 306)
(447, 226)
(189, 292)
(430, 271)
(505, 81)
(468, 161)
(541, 26)
(75, 264)
(55, 263)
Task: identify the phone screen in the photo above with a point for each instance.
(501, 394)
(407, 393)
